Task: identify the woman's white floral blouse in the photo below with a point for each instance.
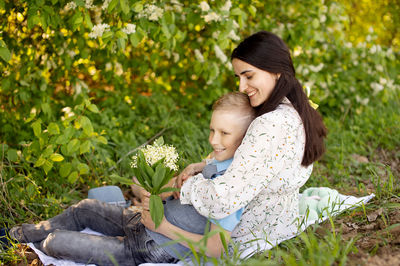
(264, 178)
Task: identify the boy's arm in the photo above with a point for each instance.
(214, 243)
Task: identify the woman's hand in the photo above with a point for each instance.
(188, 172)
(149, 224)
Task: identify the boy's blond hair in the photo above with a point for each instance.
(236, 101)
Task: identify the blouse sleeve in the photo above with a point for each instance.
(257, 162)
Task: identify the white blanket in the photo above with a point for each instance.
(347, 202)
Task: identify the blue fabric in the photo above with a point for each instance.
(229, 222)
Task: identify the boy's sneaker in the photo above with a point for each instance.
(17, 234)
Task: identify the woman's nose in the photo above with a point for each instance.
(242, 86)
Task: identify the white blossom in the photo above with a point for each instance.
(227, 6)
(219, 54)
(376, 87)
(176, 57)
(233, 36)
(105, 4)
(118, 69)
(70, 5)
(154, 153)
(151, 12)
(216, 34)
(129, 29)
(98, 30)
(316, 68)
(89, 4)
(108, 66)
(199, 55)
(212, 17)
(204, 6)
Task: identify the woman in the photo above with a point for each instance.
(276, 155)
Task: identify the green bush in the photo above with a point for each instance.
(149, 68)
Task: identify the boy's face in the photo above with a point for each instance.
(227, 129)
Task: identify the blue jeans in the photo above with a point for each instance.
(125, 240)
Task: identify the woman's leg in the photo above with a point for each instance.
(86, 248)
(101, 217)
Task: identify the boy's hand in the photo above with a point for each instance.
(143, 196)
(188, 172)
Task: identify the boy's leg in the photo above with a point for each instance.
(85, 248)
(101, 217)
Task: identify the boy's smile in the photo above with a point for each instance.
(227, 129)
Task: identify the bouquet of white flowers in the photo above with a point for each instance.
(154, 166)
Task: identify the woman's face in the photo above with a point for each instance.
(256, 83)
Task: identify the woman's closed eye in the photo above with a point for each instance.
(225, 133)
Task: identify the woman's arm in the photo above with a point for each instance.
(188, 172)
(272, 143)
(214, 243)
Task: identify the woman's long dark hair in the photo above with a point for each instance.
(268, 52)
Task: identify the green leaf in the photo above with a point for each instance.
(140, 179)
(135, 39)
(88, 21)
(37, 129)
(5, 54)
(102, 139)
(53, 129)
(86, 125)
(69, 132)
(12, 155)
(142, 165)
(73, 146)
(85, 147)
(112, 5)
(121, 43)
(124, 6)
(168, 176)
(45, 106)
(33, 20)
(158, 178)
(65, 169)
(61, 139)
(159, 141)
(156, 209)
(168, 189)
(149, 170)
(47, 166)
(73, 177)
(121, 34)
(56, 157)
(48, 151)
(121, 180)
(93, 108)
(83, 168)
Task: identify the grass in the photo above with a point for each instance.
(363, 157)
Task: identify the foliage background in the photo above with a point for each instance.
(73, 106)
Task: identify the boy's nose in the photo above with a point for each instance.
(215, 139)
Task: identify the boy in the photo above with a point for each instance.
(232, 114)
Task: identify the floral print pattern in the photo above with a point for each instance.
(264, 179)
